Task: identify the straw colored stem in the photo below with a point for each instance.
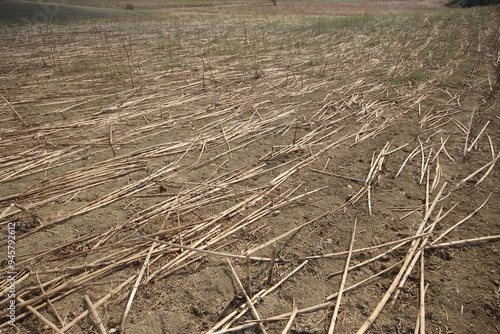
(49, 302)
(460, 222)
(271, 265)
(95, 315)
(386, 297)
(324, 305)
(489, 164)
(249, 300)
(422, 295)
(468, 133)
(111, 140)
(489, 170)
(292, 318)
(373, 259)
(100, 302)
(42, 318)
(337, 175)
(367, 249)
(136, 286)
(342, 283)
(199, 250)
(14, 110)
(227, 142)
(463, 242)
(401, 273)
(477, 138)
(234, 316)
(417, 322)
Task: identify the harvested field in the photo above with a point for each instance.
(248, 171)
(30, 12)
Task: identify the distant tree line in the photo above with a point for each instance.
(472, 3)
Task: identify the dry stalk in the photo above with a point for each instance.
(403, 269)
(489, 164)
(489, 170)
(95, 315)
(56, 313)
(422, 295)
(375, 258)
(491, 147)
(14, 110)
(227, 142)
(386, 297)
(271, 265)
(342, 283)
(199, 250)
(367, 249)
(111, 140)
(417, 325)
(136, 286)
(292, 318)
(477, 138)
(468, 133)
(408, 158)
(6, 210)
(249, 300)
(42, 318)
(434, 242)
(422, 243)
(235, 315)
(463, 242)
(100, 302)
(321, 306)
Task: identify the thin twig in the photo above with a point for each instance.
(463, 242)
(401, 272)
(42, 318)
(477, 138)
(461, 221)
(292, 317)
(468, 133)
(271, 265)
(14, 110)
(136, 286)
(56, 313)
(342, 283)
(226, 322)
(367, 249)
(227, 142)
(111, 140)
(337, 175)
(247, 273)
(199, 250)
(422, 295)
(95, 315)
(249, 300)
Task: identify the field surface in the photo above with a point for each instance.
(310, 167)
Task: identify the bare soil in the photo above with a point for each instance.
(248, 131)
